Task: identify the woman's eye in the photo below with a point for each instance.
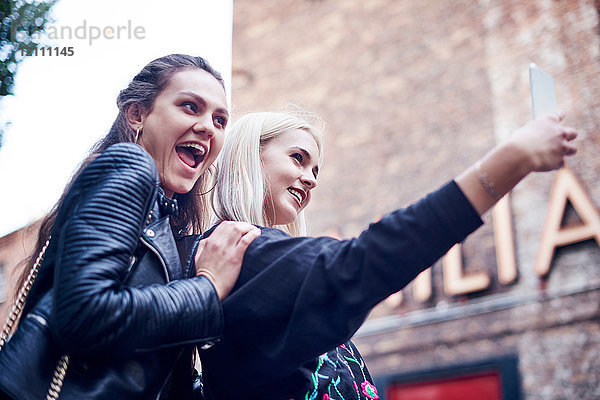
(221, 121)
(190, 106)
(297, 156)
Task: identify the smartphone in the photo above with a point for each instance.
(543, 97)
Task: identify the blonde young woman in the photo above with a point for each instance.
(298, 300)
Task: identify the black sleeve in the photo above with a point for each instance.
(300, 297)
(97, 230)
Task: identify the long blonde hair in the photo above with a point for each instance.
(239, 194)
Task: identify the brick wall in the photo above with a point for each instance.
(413, 93)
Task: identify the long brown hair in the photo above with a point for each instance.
(142, 91)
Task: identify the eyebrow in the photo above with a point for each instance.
(201, 100)
(308, 156)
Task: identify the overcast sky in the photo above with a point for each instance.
(63, 104)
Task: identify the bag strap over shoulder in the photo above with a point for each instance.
(15, 313)
(17, 307)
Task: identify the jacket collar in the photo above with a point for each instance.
(159, 236)
(167, 206)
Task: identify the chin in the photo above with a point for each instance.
(287, 219)
(181, 188)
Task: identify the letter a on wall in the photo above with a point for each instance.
(566, 187)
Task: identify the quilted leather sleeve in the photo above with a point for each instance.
(98, 226)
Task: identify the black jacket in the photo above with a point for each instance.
(111, 293)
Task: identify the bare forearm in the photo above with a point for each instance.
(499, 171)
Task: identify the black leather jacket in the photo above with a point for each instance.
(114, 293)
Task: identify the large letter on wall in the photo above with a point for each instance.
(566, 187)
(455, 282)
(422, 286)
(505, 243)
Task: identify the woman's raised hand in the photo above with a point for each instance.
(545, 142)
(219, 257)
(540, 145)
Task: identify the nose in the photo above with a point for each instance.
(309, 180)
(204, 125)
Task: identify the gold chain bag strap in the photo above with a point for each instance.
(15, 312)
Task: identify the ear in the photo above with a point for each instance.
(136, 115)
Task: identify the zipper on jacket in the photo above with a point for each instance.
(132, 261)
(162, 262)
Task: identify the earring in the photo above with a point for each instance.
(137, 134)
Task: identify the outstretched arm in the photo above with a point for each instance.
(541, 145)
(299, 297)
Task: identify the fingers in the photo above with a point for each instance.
(242, 234)
(230, 232)
(569, 149)
(557, 115)
(229, 238)
(248, 237)
(569, 133)
(237, 225)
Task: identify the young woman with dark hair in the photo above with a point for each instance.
(120, 292)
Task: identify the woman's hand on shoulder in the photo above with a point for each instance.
(219, 257)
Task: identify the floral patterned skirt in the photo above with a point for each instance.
(341, 374)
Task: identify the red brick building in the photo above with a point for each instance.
(414, 92)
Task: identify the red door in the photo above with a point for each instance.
(471, 387)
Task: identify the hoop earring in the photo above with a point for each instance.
(212, 170)
(137, 134)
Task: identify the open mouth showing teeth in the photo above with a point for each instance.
(296, 194)
(191, 154)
